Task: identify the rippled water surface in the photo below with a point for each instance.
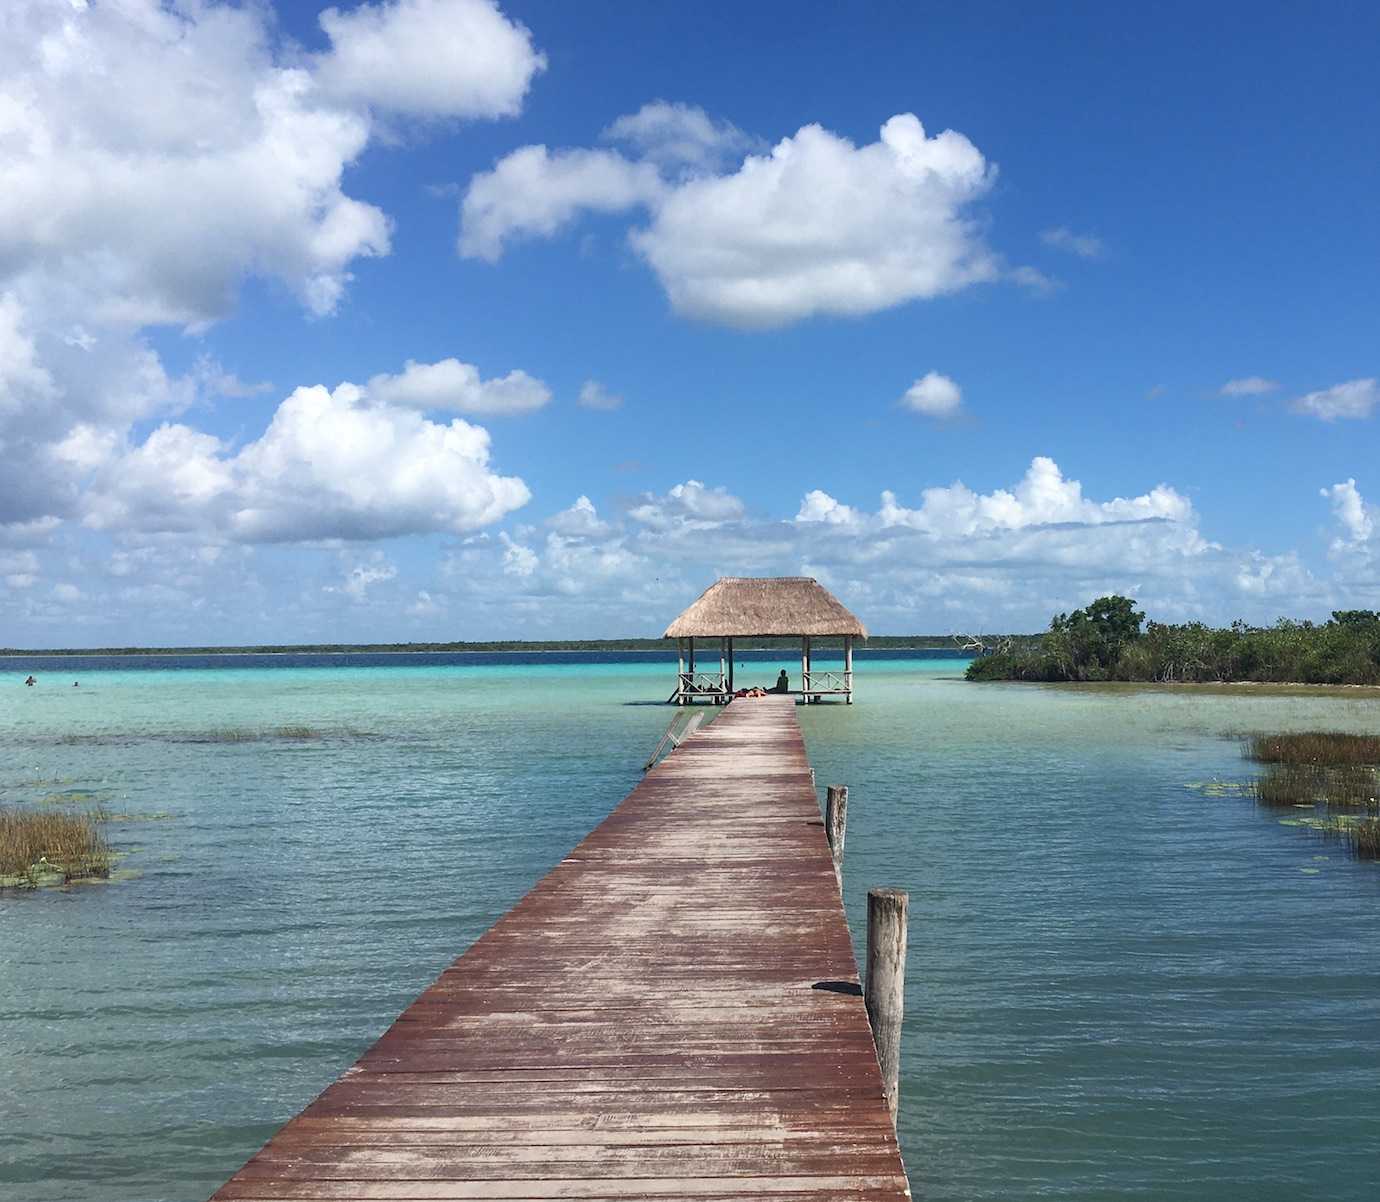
(1120, 987)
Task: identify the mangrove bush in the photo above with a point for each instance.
(1106, 641)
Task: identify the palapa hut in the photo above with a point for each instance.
(738, 607)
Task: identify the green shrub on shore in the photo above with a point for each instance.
(1105, 642)
(41, 845)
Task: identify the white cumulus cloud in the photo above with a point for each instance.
(1356, 518)
(1005, 559)
(818, 506)
(1043, 497)
(156, 153)
(690, 504)
(534, 193)
(331, 465)
(581, 520)
(818, 225)
(363, 576)
(934, 395)
(821, 226)
(429, 58)
(679, 137)
(1354, 399)
(457, 386)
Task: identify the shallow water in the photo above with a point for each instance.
(1119, 987)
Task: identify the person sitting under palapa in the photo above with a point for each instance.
(782, 685)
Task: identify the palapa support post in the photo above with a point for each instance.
(680, 671)
(730, 669)
(723, 671)
(885, 989)
(848, 668)
(836, 825)
(805, 669)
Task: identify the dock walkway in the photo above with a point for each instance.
(671, 1013)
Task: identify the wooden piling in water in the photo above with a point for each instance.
(885, 987)
(836, 825)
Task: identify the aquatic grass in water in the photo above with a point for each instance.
(1351, 787)
(50, 846)
(234, 734)
(1323, 768)
(1364, 838)
(1332, 748)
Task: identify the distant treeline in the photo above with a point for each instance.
(1106, 641)
(919, 642)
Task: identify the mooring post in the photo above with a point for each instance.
(885, 991)
(836, 825)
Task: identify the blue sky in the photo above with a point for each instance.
(1096, 311)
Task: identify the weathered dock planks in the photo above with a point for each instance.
(673, 1012)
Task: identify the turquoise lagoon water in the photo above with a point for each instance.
(1120, 987)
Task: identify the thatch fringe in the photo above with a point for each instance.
(744, 606)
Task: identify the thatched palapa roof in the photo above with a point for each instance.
(744, 606)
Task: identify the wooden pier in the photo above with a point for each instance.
(673, 1013)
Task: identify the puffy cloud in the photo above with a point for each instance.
(1353, 399)
(429, 58)
(1356, 518)
(819, 506)
(679, 137)
(532, 192)
(1004, 559)
(331, 465)
(821, 226)
(23, 380)
(688, 505)
(1248, 386)
(594, 395)
(580, 520)
(1043, 497)
(518, 559)
(816, 226)
(215, 161)
(457, 386)
(363, 576)
(934, 395)
(154, 155)
(168, 483)
(1085, 246)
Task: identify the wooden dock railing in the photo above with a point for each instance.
(674, 1012)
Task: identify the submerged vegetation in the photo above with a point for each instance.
(240, 734)
(49, 846)
(1106, 641)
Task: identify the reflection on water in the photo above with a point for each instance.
(1119, 986)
